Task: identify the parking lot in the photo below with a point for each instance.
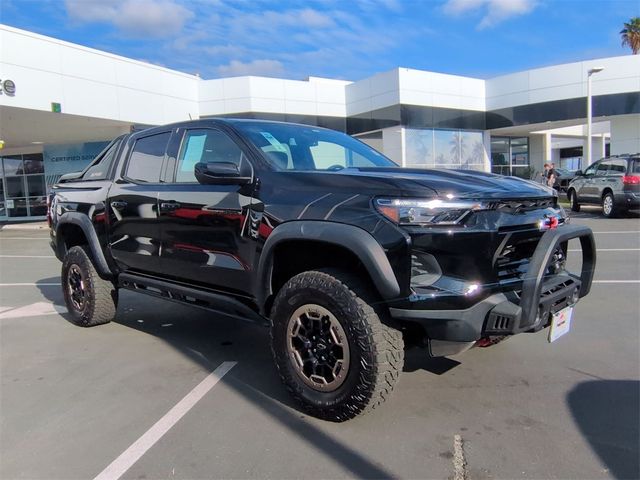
(156, 395)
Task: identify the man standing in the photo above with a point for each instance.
(551, 175)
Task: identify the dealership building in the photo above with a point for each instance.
(60, 103)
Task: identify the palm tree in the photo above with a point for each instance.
(631, 34)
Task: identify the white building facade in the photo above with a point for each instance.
(60, 103)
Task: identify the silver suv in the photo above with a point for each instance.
(613, 182)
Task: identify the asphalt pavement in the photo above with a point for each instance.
(169, 391)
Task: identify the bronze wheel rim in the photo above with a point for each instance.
(76, 287)
(318, 348)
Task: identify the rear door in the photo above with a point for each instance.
(132, 203)
(207, 235)
(602, 180)
(615, 174)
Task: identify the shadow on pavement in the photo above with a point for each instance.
(208, 339)
(607, 413)
(418, 359)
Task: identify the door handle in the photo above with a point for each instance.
(118, 204)
(169, 206)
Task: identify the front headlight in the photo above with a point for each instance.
(413, 211)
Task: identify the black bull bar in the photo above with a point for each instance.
(534, 284)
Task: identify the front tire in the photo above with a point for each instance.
(91, 300)
(334, 355)
(573, 200)
(609, 209)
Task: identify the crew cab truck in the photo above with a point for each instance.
(345, 256)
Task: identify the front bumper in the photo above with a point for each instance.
(510, 313)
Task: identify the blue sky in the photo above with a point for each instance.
(348, 39)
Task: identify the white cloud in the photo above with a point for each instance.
(267, 68)
(496, 11)
(134, 18)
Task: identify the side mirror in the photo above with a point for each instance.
(578, 173)
(219, 173)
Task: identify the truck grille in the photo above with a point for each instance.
(524, 205)
(512, 261)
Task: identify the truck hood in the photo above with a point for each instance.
(459, 183)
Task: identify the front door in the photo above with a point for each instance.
(207, 237)
(132, 203)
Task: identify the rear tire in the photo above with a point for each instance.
(573, 200)
(334, 355)
(609, 208)
(91, 300)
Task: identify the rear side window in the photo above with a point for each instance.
(634, 166)
(145, 162)
(617, 167)
(206, 146)
(100, 170)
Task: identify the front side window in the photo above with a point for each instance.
(305, 148)
(591, 170)
(603, 167)
(145, 162)
(205, 146)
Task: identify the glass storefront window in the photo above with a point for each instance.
(35, 185)
(33, 163)
(17, 207)
(15, 187)
(419, 148)
(13, 165)
(22, 186)
(428, 148)
(37, 206)
(510, 156)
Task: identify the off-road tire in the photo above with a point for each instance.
(609, 208)
(376, 350)
(101, 297)
(573, 200)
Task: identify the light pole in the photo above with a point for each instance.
(590, 72)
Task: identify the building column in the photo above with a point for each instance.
(598, 147)
(625, 134)
(393, 144)
(486, 140)
(539, 151)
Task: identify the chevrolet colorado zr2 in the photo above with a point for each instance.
(347, 257)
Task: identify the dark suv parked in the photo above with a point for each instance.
(613, 182)
(347, 257)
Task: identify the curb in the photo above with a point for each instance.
(24, 226)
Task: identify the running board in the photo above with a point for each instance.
(190, 296)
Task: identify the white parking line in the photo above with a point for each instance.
(25, 238)
(30, 284)
(616, 281)
(34, 310)
(608, 250)
(27, 256)
(620, 231)
(132, 454)
(459, 462)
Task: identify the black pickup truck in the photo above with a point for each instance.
(347, 257)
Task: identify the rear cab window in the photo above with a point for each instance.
(101, 167)
(147, 158)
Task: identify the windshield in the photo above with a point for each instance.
(302, 148)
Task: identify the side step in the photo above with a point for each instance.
(216, 302)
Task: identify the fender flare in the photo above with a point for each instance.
(82, 221)
(360, 242)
